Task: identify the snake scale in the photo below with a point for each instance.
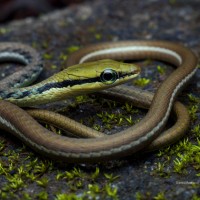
(85, 74)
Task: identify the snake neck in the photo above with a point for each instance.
(50, 90)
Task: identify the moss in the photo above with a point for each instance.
(68, 197)
(159, 196)
(43, 195)
(43, 182)
(72, 48)
(47, 56)
(115, 119)
(141, 82)
(98, 36)
(161, 70)
(4, 31)
(83, 185)
(140, 196)
(195, 197)
(183, 155)
(63, 57)
(54, 67)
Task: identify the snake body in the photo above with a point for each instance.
(125, 142)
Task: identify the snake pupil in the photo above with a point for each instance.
(108, 76)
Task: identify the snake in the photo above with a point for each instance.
(90, 69)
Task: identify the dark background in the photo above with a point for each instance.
(18, 9)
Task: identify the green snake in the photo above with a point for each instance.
(84, 75)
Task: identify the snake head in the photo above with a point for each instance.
(75, 80)
(100, 74)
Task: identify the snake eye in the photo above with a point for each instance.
(108, 76)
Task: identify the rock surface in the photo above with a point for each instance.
(55, 35)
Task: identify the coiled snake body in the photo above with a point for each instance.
(87, 77)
